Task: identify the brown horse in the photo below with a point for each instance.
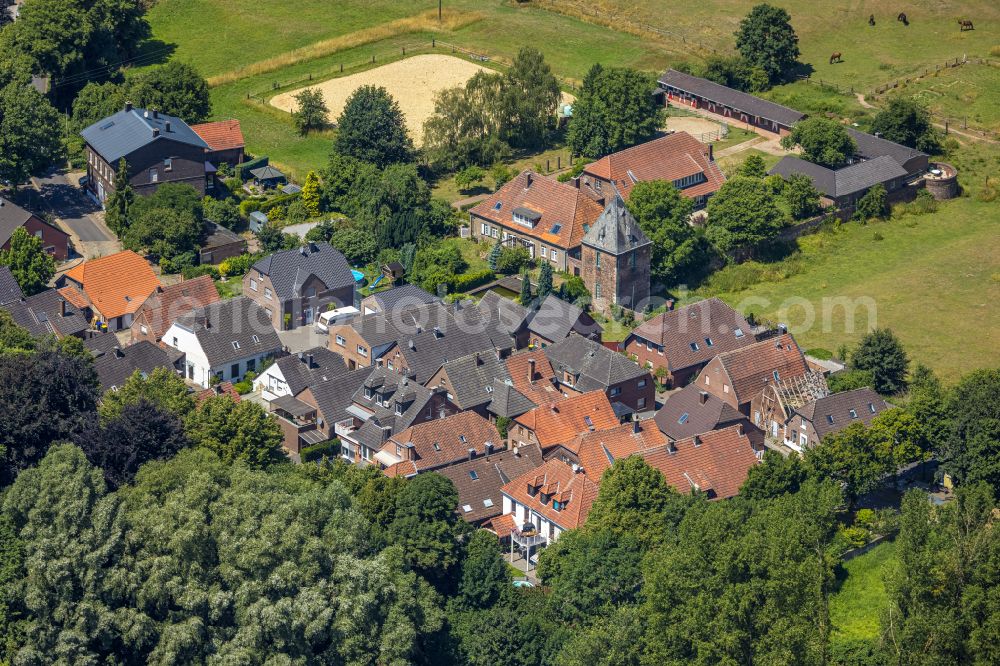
(902, 18)
(836, 57)
(871, 19)
(965, 24)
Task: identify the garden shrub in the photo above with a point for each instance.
(329, 449)
(512, 260)
(856, 537)
(191, 272)
(468, 281)
(237, 266)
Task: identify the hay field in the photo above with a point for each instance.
(413, 82)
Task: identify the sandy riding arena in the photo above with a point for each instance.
(413, 82)
(696, 127)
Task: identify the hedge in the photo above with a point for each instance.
(329, 448)
(468, 281)
(246, 167)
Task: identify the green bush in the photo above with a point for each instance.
(865, 519)
(329, 448)
(468, 281)
(856, 537)
(250, 205)
(191, 272)
(178, 263)
(512, 260)
(243, 387)
(237, 266)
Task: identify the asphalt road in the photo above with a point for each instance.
(73, 208)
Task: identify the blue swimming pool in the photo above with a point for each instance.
(523, 583)
(358, 275)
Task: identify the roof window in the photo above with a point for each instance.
(738, 332)
(694, 346)
(487, 502)
(498, 205)
(871, 407)
(854, 414)
(556, 228)
(437, 447)
(473, 475)
(684, 418)
(829, 419)
(775, 375)
(256, 340)
(466, 508)
(236, 344)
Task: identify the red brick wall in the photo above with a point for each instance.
(54, 240)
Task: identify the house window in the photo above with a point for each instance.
(168, 164)
(236, 344)
(175, 341)
(154, 175)
(486, 229)
(649, 346)
(466, 508)
(615, 391)
(430, 414)
(738, 333)
(553, 255)
(642, 383)
(252, 365)
(253, 284)
(597, 289)
(632, 260)
(368, 393)
(854, 414)
(341, 341)
(641, 403)
(756, 418)
(545, 252)
(437, 447)
(725, 388)
(267, 293)
(363, 351)
(268, 312)
(706, 380)
(234, 370)
(803, 440)
(142, 327)
(684, 418)
(399, 408)
(493, 232)
(597, 261)
(311, 292)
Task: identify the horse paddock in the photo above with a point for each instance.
(703, 129)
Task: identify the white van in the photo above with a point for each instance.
(332, 317)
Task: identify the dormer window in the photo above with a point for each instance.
(399, 408)
(525, 217)
(168, 164)
(368, 393)
(557, 505)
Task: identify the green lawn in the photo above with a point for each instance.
(855, 607)
(969, 92)
(473, 253)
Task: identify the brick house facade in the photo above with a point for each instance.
(55, 241)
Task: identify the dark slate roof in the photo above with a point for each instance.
(217, 236)
(866, 403)
(393, 388)
(125, 132)
(616, 231)
(10, 290)
(684, 414)
(117, 365)
(508, 401)
(720, 94)
(101, 343)
(503, 317)
(267, 172)
(239, 320)
(313, 366)
(847, 180)
(288, 269)
(870, 146)
(335, 395)
(592, 365)
(12, 217)
(41, 314)
(479, 480)
(556, 319)
(404, 296)
(472, 377)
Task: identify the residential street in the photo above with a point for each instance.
(76, 213)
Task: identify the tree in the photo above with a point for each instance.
(236, 431)
(467, 126)
(777, 475)
(544, 280)
(97, 101)
(874, 204)
(615, 110)
(426, 526)
(525, 295)
(13, 338)
(372, 128)
(357, 243)
(742, 214)
(753, 166)
(272, 239)
(176, 89)
(530, 97)
(30, 131)
(907, 121)
(28, 261)
(484, 573)
(140, 432)
(680, 251)
(971, 452)
(513, 259)
(493, 258)
(802, 197)
(731, 71)
(501, 174)
(898, 438)
(766, 40)
(468, 177)
(311, 194)
(822, 140)
(224, 212)
(881, 353)
(161, 388)
(163, 233)
(848, 380)
(848, 457)
(119, 203)
(926, 400)
(310, 111)
(48, 397)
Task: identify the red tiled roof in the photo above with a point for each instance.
(559, 422)
(75, 297)
(442, 441)
(116, 284)
(574, 490)
(597, 451)
(718, 464)
(752, 368)
(541, 390)
(697, 323)
(557, 203)
(668, 158)
(502, 526)
(224, 388)
(221, 135)
(166, 304)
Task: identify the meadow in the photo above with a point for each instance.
(967, 94)
(855, 606)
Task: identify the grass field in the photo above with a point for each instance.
(970, 92)
(855, 607)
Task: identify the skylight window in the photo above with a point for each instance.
(738, 333)
(775, 374)
(236, 344)
(462, 439)
(437, 447)
(466, 508)
(854, 414)
(829, 419)
(684, 418)
(871, 407)
(556, 228)
(256, 340)
(708, 341)
(588, 421)
(489, 389)
(694, 346)
(487, 502)
(473, 475)
(498, 205)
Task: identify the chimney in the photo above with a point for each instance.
(437, 332)
(128, 106)
(529, 174)
(553, 408)
(531, 371)
(782, 329)
(302, 356)
(479, 361)
(218, 389)
(711, 153)
(697, 440)
(309, 363)
(119, 353)
(702, 397)
(156, 114)
(156, 131)
(489, 448)
(62, 307)
(576, 468)
(472, 453)
(636, 428)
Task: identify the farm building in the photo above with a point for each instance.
(844, 187)
(683, 89)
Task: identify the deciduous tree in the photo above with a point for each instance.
(822, 140)
(310, 111)
(767, 40)
(236, 431)
(742, 214)
(372, 128)
(28, 261)
(176, 89)
(680, 252)
(484, 573)
(161, 388)
(802, 196)
(881, 353)
(30, 132)
(426, 526)
(972, 449)
(615, 110)
(907, 121)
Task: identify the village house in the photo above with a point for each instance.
(689, 91)
(813, 421)
(692, 411)
(532, 375)
(290, 375)
(385, 404)
(555, 320)
(480, 479)
(225, 142)
(677, 158)
(592, 452)
(50, 312)
(580, 365)
(428, 447)
(114, 367)
(550, 425)
(220, 244)
(675, 345)
(398, 298)
(223, 341)
(115, 286)
(747, 378)
(294, 286)
(469, 381)
(506, 321)
(55, 241)
(10, 290)
(167, 303)
(616, 255)
(546, 217)
(157, 149)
